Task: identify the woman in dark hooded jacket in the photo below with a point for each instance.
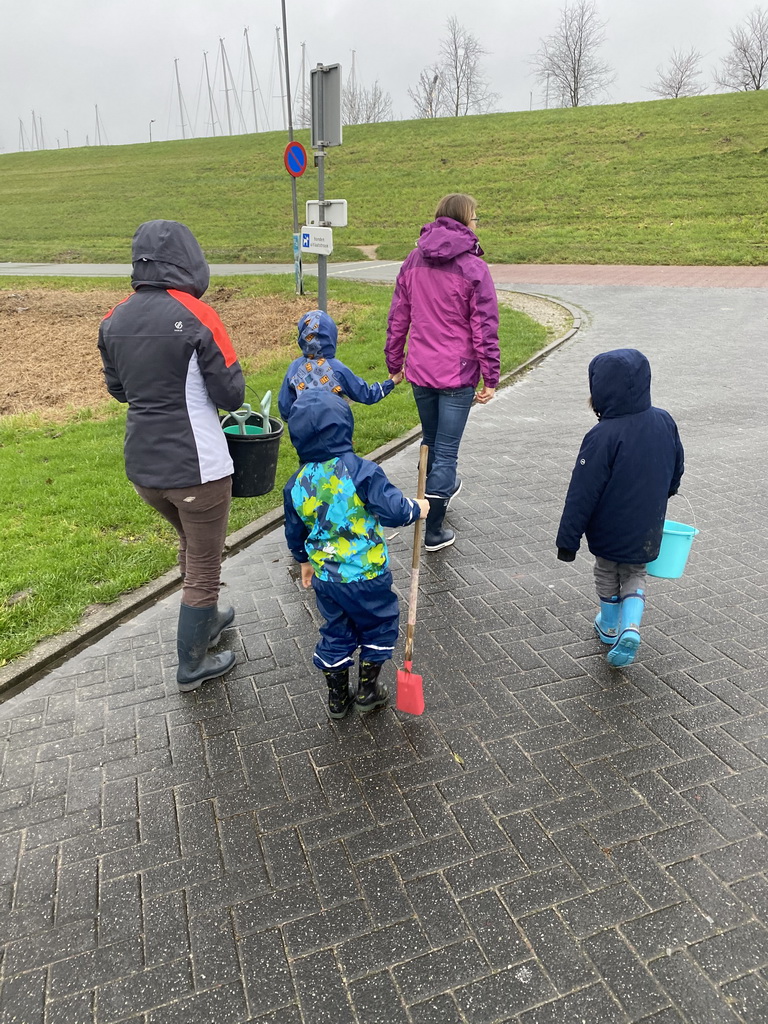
(627, 468)
(168, 355)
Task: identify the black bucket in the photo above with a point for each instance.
(254, 455)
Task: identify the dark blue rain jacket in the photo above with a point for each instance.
(318, 367)
(628, 465)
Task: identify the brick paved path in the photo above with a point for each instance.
(553, 842)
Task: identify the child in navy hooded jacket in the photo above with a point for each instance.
(629, 464)
(335, 507)
(318, 367)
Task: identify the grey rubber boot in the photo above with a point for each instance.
(223, 619)
(435, 537)
(193, 635)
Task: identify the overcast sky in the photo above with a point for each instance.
(63, 58)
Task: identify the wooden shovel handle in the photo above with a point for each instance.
(413, 595)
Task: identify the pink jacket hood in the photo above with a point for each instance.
(445, 239)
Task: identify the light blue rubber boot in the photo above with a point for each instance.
(607, 620)
(624, 650)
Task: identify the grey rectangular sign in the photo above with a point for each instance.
(325, 83)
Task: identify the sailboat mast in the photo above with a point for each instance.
(226, 87)
(280, 75)
(210, 94)
(253, 87)
(181, 101)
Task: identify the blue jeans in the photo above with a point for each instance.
(443, 413)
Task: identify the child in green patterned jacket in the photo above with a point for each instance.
(335, 507)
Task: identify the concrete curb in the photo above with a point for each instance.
(25, 670)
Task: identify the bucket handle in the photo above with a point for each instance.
(690, 507)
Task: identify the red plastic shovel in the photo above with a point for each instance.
(410, 693)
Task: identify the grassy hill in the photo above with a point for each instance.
(668, 181)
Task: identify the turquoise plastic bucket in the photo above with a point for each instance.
(676, 543)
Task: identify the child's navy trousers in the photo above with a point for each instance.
(363, 614)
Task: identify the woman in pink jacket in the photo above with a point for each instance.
(445, 313)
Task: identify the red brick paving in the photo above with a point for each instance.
(664, 277)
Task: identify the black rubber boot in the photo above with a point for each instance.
(435, 537)
(192, 639)
(223, 619)
(371, 693)
(339, 698)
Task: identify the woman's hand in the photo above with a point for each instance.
(484, 395)
(397, 378)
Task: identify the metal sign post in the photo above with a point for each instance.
(289, 162)
(325, 81)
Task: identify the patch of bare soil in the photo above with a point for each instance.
(48, 341)
(369, 251)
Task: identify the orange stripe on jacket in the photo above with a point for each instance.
(109, 314)
(210, 318)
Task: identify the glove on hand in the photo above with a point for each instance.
(565, 555)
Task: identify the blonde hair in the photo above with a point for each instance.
(458, 206)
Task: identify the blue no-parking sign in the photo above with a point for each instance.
(295, 159)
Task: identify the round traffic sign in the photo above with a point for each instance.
(295, 159)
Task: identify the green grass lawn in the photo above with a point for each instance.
(73, 531)
(667, 181)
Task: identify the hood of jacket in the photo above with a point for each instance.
(167, 255)
(317, 335)
(444, 239)
(321, 426)
(620, 383)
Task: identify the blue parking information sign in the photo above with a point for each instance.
(295, 159)
(316, 240)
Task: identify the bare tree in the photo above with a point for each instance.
(679, 76)
(567, 61)
(375, 105)
(365, 106)
(455, 84)
(745, 67)
(428, 95)
(466, 88)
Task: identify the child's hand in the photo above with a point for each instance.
(423, 504)
(306, 575)
(397, 378)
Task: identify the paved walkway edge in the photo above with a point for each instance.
(54, 650)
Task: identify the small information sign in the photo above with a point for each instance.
(317, 240)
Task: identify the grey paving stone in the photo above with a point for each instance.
(557, 950)
(628, 980)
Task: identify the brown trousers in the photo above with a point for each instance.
(200, 516)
